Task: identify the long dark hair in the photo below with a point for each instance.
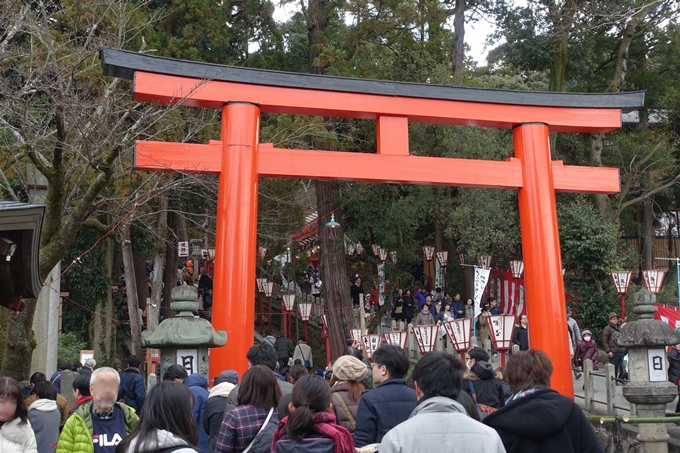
(9, 388)
(311, 394)
(259, 388)
(168, 406)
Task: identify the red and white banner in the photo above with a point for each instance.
(670, 315)
(508, 290)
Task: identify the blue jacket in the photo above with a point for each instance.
(381, 409)
(137, 394)
(56, 380)
(420, 298)
(197, 383)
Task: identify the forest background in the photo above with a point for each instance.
(68, 132)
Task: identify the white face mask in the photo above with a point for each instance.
(586, 338)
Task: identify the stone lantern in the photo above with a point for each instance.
(184, 339)
(648, 386)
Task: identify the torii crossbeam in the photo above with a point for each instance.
(239, 159)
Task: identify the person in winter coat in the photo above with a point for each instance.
(409, 304)
(398, 307)
(62, 403)
(573, 325)
(520, 335)
(215, 405)
(44, 415)
(538, 419)
(586, 349)
(81, 392)
(198, 383)
(390, 402)
(311, 426)
(440, 423)
(284, 348)
(483, 324)
(503, 377)
(346, 390)
(251, 424)
(56, 376)
(166, 422)
(16, 435)
(674, 370)
(304, 353)
(469, 309)
(424, 317)
(103, 419)
(615, 352)
(481, 379)
(356, 291)
(132, 391)
(421, 297)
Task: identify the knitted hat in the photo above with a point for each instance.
(230, 376)
(612, 315)
(586, 332)
(348, 368)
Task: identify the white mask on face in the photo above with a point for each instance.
(586, 338)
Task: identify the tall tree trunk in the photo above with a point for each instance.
(458, 42)
(141, 278)
(131, 285)
(171, 263)
(332, 267)
(104, 326)
(159, 261)
(19, 342)
(648, 238)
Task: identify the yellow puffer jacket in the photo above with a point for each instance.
(77, 432)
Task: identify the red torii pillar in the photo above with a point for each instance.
(239, 158)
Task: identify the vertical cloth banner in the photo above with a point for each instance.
(481, 279)
(381, 276)
(438, 275)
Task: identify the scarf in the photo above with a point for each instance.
(524, 393)
(81, 400)
(323, 423)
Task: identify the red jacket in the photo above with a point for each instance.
(586, 351)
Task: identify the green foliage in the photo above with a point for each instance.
(69, 348)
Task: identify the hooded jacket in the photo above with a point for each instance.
(214, 412)
(44, 415)
(197, 383)
(62, 403)
(77, 432)
(381, 409)
(544, 421)
(441, 424)
(137, 394)
(17, 437)
(487, 386)
(164, 439)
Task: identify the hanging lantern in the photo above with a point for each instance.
(461, 257)
(211, 254)
(350, 249)
(324, 324)
(517, 268)
(288, 301)
(355, 334)
(459, 332)
(396, 337)
(484, 261)
(443, 258)
(501, 327)
(426, 337)
(621, 281)
(383, 255)
(260, 284)
(393, 257)
(428, 252)
(305, 310)
(653, 280)
(359, 248)
(332, 223)
(370, 344)
(376, 249)
(268, 289)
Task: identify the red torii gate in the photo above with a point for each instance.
(239, 158)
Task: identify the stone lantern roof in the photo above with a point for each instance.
(647, 331)
(184, 329)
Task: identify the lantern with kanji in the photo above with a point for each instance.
(370, 344)
(621, 282)
(359, 248)
(443, 258)
(501, 328)
(261, 282)
(305, 312)
(376, 249)
(459, 332)
(653, 280)
(355, 334)
(428, 252)
(268, 291)
(288, 305)
(393, 257)
(517, 268)
(350, 249)
(396, 337)
(484, 261)
(383, 254)
(426, 337)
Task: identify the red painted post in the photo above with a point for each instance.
(236, 237)
(623, 306)
(269, 314)
(541, 249)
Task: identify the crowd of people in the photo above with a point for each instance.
(443, 405)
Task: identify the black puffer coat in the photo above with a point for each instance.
(674, 366)
(543, 422)
(486, 385)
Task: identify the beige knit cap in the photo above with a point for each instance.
(348, 368)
